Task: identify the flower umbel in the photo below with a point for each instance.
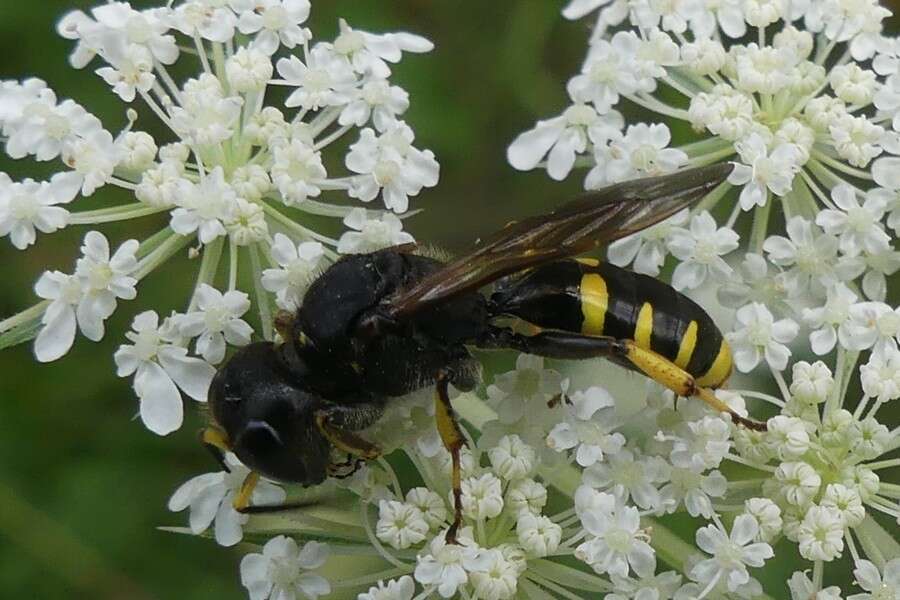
(234, 177)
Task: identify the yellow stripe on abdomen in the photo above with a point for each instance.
(594, 302)
(687, 345)
(643, 329)
(718, 373)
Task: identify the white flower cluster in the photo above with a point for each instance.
(504, 530)
(806, 110)
(820, 462)
(803, 97)
(238, 170)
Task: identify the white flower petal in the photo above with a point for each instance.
(191, 374)
(530, 147)
(58, 333)
(161, 408)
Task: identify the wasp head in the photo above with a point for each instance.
(269, 416)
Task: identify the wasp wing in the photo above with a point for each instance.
(577, 227)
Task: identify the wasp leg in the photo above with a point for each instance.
(216, 442)
(572, 346)
(274, 508)
(242, 499)
(345, 440)
(337, 470)
(452, 437)
(284, 324)
(354, 416)
(667, 373)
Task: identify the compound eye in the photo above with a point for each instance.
(260, 440)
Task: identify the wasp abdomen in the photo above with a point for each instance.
(600, 299)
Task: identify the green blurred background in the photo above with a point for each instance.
(83, 485)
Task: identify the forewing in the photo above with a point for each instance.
(589, 221)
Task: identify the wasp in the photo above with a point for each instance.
(376, 326)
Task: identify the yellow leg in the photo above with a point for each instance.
(242, 500)
(452, 437)
(667, 373)
(215, 440)
(215, 437)
(346, 441)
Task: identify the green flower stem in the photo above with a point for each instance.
(164, 251)
(324, 209)
(655, 105)
(895, 443)
(568, 576)
(219, 65)
(760, 225)
(263, 300)
(153, 242)
(531, 589)
(712, 198)
(705, 146)
(367, 550)
(159, 112)
(839, 166)
(201, 53)
(821, 195)
(315, 522)
(339, 184)
(171, 86)
(843, 372)
(385, 554)
(322, 120)
(500, 529)
(680, 85)
(799, 201)
(879, 545)
(23, 326)
(711, 157)
(333, 136)
(23, 318)
(884, 464)
(115, 213)
(554, 587)
(232, 266)
(425, 470)
(209, 265)
(298, 230)
(368, 579)
(745, 484)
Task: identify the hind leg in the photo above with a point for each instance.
(573, 346)
(453, 439)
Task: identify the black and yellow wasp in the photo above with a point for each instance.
(380, 325)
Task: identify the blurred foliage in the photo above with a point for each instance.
(83, 485)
